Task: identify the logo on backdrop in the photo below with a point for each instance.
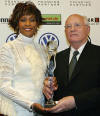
(3, 20)
(11, 37)
(49, 2)
(79, 3)
(51, 19)
(48, 37)
(12, 2)
(94, 20)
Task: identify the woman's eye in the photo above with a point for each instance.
(32, 20)
(22, 20)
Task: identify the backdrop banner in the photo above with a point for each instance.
(55, 13)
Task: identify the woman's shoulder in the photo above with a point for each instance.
(9, 43)
(9, 46)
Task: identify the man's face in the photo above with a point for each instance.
(76, 30)
(28, 25)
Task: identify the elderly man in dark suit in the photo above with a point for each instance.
(78, 92)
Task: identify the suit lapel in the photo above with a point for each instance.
(66, 65)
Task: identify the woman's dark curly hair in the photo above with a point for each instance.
(21, 9)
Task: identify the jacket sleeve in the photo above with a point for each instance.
(6, 79)
(89, 99)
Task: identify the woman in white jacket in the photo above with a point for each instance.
(22, 64)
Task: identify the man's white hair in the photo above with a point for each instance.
(86, 20)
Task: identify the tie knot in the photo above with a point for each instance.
(75, 53)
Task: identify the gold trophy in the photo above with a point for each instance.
(51, 50)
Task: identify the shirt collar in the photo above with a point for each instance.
(79, 50)
(26, 39)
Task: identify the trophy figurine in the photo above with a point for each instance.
(51, 50)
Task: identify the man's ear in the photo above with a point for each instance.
(88, 30)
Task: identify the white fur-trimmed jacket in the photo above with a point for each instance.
(22, 71)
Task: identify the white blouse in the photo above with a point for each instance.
(22, 71)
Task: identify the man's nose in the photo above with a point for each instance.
(72, 27)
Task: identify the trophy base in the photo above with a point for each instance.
(50, 104)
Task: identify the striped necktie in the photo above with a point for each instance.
(73, 63)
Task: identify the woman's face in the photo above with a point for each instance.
(28, 25)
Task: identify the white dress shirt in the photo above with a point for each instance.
(79, 50)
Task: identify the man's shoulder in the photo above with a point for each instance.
(98, 46)
(95, 47)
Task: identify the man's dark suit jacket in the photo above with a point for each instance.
(85, 81)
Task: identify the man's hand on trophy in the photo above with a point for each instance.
(50, 82)
(64, 104)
